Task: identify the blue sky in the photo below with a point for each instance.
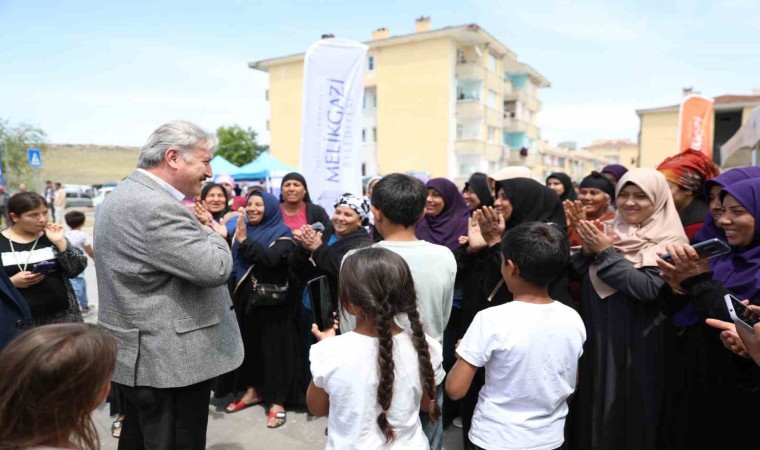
(110, 72)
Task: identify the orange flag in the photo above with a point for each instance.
(695, 124)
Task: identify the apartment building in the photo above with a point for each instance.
(544, 159)
(622, 152)
(658, 135)
(446, 102)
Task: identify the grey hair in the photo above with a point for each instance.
(178, 134)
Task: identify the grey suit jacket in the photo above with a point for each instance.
(162, 289)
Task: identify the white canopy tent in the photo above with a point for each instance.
(742, 149)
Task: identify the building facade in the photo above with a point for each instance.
(446, 102)
(622, 152)
(659, 134)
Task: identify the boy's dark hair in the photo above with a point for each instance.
(539, 250)
(74, 219)
(400, 198)
(378, 282)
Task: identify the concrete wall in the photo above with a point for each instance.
(658, 138)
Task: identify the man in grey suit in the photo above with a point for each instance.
(163, 295)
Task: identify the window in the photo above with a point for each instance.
(374, 99)
(491, 63)
(491, 99)
(266, 94)
(460, 131)
(491, 135)
(374, 134)
(364, 100)
(371, 63)
(364, 135)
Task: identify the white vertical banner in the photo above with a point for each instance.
(331, 120)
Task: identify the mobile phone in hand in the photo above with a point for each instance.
(740, 313)
(705, 249)
(44, 267)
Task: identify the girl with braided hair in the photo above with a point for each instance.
(375, 405)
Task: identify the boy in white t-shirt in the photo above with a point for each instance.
(529, 347)
(78, 238)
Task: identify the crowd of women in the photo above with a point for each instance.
(654, 374)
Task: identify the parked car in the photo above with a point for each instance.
(101, 195)
(77, 197)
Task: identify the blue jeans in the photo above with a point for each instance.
(434, 430)
(80, 290)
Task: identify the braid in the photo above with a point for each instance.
(427, 376)
(386, 367)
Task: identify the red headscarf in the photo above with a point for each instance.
(689, 169)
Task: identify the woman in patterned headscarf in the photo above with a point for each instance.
(686, 174)
(321, 254)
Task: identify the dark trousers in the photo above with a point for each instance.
(165, 419)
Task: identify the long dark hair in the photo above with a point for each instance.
(52, 378)
(379, 284)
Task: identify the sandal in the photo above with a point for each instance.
(281, 415)
(116, 429)
(240, 405)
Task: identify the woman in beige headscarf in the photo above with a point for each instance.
(621, 378)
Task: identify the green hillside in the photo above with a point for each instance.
(83, 164)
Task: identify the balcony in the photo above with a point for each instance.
(491, 152)
(530, 101)
(512, 125)
(470, 71)
(470, 109)
(469, 147)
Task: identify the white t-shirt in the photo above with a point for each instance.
(530, 352)
(79, 239)
(345, 367)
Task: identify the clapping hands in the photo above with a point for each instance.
(595, 236)
(574, 212)
(490, 223)
(309, 239)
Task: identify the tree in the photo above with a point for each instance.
(16, 139)
(237, 145)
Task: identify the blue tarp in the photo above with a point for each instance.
(261, 168)
(221, 166)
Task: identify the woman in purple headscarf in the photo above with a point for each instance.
(718, 380)
(446, 214)
(614, 172)
(713, 187)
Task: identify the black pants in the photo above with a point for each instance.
(165, 419)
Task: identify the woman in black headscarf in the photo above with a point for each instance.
(561, 184)
(518, 200)
(296, 206)
(476, 192)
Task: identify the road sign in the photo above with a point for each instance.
(34, 155)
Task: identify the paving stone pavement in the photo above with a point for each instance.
(245, 430)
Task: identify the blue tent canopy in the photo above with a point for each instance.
(221, 166)
(261, 168)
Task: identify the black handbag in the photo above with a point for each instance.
(263, 294)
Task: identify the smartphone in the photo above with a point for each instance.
(740, 314)
(44, 267)
(705, 249)
(321, 302)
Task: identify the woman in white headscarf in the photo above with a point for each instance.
(621, 374)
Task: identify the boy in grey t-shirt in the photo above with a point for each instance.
(398, 202)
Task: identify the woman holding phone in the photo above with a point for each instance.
(716, 380)
(39, 260)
